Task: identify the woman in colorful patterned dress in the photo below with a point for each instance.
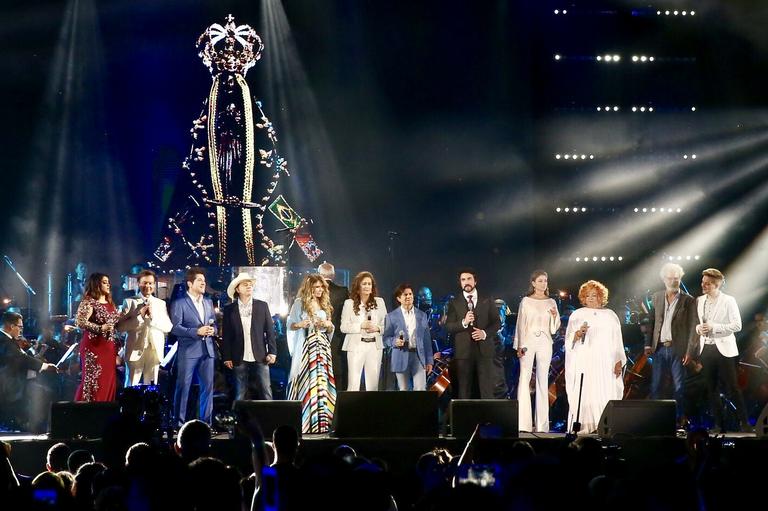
(311, 378)
(97, 316)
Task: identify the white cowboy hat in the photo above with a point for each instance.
(242, 277)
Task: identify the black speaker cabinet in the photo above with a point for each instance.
(386, 414)
(468, 413)
(269, 415)
(81, 420)
(761, 426)
(638, 418)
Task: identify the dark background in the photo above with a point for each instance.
(437, 120)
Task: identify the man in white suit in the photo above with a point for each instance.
(719, 320)
(146, 321)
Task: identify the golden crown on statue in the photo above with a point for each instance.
(229, 47)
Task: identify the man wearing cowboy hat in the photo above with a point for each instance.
(248, 344)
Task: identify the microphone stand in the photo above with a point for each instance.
(27, 287)
(576, 426)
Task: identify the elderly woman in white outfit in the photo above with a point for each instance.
(537, 321)
(362, 320)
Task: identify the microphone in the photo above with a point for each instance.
(471, 308)
(584, 337)
(401, 336)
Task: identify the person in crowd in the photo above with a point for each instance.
(311, 378)
(338, 294)
(406, 331)
(537, 321)
(248, 345)
(193, 441)
(77, 459)
(718, 320)
(14, 367)
(194, 325)
(594, 354)
(97, 317)
(145, 319)
(674, 342)
(474, 322)
(362, 320)
(57, 456)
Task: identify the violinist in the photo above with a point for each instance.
(674, 342)
(16, 366)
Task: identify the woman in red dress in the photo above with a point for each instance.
(97, 316)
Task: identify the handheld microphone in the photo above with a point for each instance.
(471, 308)
(401, 336)
(583, 337)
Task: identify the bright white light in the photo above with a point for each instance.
(567, 210)
(602, 258)
(636, 210)
(643, 58)
(695, 257)
(645, 210)
(611, 258)
(661, 209)
(693, 109)
(575, 156)
(693, 156)
(675, 13)
(693, 13)
(557, 11)
(599, 108)
(565, 12)
(591, 156)
(679, 210)
(658, 13)
(671, 258)
(557, 156)
(651, 59)
(634, 109)
(620, 258)
(616, 58)
(685, 156)
(666, 12)
(615, 109)
(607, 108)
(679, 258)
(607, 58)
(557, 56)
(583, 156)
(567, 156)
(634, 58)
(650, 109)
(594, 258)
(684, 13)
(599, 57)
(557, 209)
(642, 109)
(583, 210)
(653, 210)
(687, 258)
(578, 259)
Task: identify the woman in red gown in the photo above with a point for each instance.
(97, 316)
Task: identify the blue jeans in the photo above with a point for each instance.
(665, 360)
(253, 377)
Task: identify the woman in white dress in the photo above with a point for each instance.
(593, 348)
(537, 321)
(362, 320)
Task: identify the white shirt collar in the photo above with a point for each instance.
(473, 294)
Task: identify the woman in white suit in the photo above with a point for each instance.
(362, 320)
(719, 320)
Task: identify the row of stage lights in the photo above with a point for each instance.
(602, 259)
(616, 58)
(676, 13)
(635, 108)
(687, 258)
(579, 157)
(582, 209)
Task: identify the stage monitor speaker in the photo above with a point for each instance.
(638, 418)
(761, 426)
(386, 414)
(468, 413)
(269, 415)
(81, 420)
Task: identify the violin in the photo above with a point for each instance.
(442, 377)
(634, 376)
(557, 386)
(23, 343)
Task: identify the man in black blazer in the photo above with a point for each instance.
(674, 341)
(338, 294)
(14, 365)
(474, 323)
(248, 344)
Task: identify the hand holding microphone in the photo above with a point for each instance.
(581, 333)
(206, 330)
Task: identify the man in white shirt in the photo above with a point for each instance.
(146, 321)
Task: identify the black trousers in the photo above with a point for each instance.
(719, 369)
(482, 367)
(339, 360)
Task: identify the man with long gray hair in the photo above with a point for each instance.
(674, 341)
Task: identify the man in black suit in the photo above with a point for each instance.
(337, 294)
(474, 323)
(248, 344)
(674, 342)
(14, 367)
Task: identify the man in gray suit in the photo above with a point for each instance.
(674, 341)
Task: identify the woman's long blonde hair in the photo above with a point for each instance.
(305, 295)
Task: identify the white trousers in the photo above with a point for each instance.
(539, 349)
(414, 371)
(146, 366)
(366, 358)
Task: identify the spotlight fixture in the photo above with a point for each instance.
(657, 210)
(558, 56)
(601, 258)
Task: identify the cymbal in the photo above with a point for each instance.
(59, 318)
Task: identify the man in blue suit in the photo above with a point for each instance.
(406, 330)
(194, 324)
